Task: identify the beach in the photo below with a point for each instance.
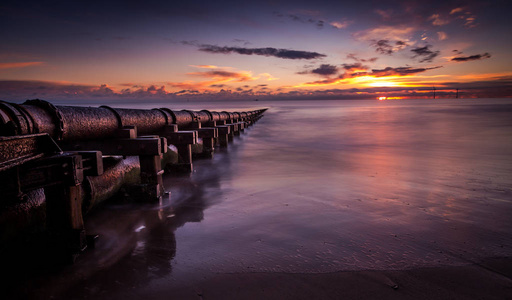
(406, 199)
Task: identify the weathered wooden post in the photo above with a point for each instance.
(224, 132)
(64, 219)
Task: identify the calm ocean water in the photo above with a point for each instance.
(323, 186)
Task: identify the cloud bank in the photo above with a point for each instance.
(424, 53)
(494, 85)
(268, 51)
(472, 57)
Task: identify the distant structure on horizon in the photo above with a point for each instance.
(457, 94)
(434, 89)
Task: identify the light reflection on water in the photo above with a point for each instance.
(332, 186)
(326, 186)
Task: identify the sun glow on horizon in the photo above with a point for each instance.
(384, 84)
(382, 98)
(372, 81)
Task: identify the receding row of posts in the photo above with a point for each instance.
(61, 150)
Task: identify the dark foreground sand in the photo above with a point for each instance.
(488, 280)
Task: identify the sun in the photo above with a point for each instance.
(382, 98)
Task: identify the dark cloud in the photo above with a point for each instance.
(19, 90)
(358, 70)
(383, 47)
(355, 66)
(297, 18)
(388, 71)
(399, 71)
(356, 58)
(190, 43)
(400, 43)
(472, 57)
(218, 73)
(325, 70)
(388, 47)
(424, 53)
(279, 53)
(187, 92)
(217, 76)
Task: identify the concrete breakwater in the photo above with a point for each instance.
(58, 162)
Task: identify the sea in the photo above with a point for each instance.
(318, 186)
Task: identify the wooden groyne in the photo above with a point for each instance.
(57, 162)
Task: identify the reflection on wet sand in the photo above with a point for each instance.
(376, 189)
(136, 242)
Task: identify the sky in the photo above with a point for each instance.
(126, 50)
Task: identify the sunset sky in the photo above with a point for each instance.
(264, 49)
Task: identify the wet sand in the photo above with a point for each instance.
(488, 280)
(410, 200)
(491, 279)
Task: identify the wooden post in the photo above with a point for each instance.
(64, 218)
(183, 141)
(224, 132)
(152, 185)
(185, 157)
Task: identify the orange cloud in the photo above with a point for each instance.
(437, 20)
(463, 14)
(442, 35)
(376, 77)
(456, 10)
(20, 64)
(401, 33)
(204, 66)
(223, 76)
(268, 76)
(218, 78)
(385, 14)
(340, 25)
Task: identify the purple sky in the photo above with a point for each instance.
(266, 49)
